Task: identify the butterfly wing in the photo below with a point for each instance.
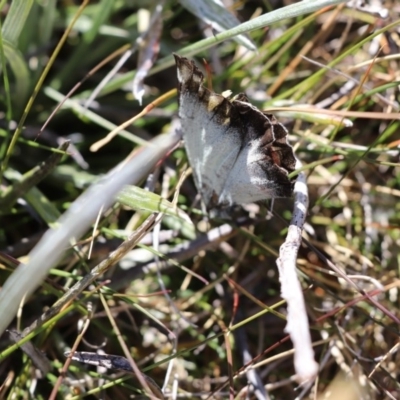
(211, 143)
(262, 167)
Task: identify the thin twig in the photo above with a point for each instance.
(297, 323)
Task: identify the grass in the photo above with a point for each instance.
(102, 286)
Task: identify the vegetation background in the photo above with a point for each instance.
(204, 295)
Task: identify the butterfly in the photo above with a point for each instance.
(238, 154)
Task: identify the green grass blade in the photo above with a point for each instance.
(16, 19)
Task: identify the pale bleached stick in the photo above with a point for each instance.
(297, 323)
